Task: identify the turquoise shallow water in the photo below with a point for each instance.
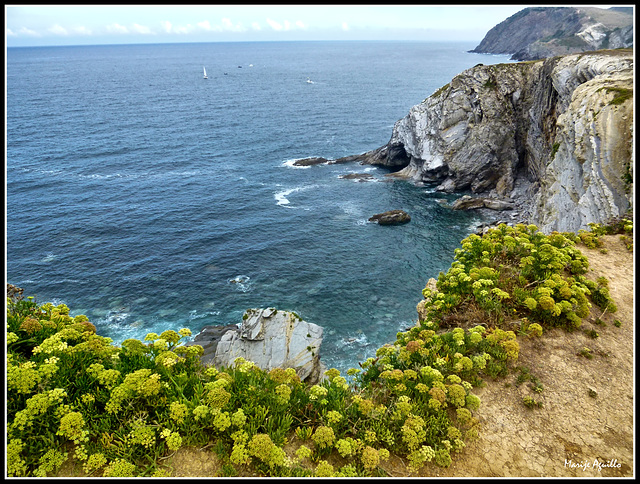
(148, 198)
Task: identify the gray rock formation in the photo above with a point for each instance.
(539, 32)
(553, 136)
(391, 217)
(310, 161)
(467, 202)
(271, 339)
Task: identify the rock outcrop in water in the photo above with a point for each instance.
(269, 338)
(554, 137)
(391, 217)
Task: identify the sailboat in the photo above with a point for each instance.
(205, 72)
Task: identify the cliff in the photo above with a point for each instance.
(554, 137)
(539, 32)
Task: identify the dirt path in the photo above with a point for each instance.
(575, 434)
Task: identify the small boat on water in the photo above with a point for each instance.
(205, 73)
(309, 81)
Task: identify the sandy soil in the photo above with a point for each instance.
(574, 434)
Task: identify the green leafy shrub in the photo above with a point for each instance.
(121, 410)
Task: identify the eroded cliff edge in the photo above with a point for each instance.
(554, 136)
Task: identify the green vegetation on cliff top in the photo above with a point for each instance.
(123, 410)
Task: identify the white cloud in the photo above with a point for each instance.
(11, 33)
(116, 28)
(29, 32)
(345, 26)
(141, 29)
(58, 30)
(166, 25)
(287, 25)
(301, 25)
(256, 26)
(274, 25)
(82, 31)
(183, 30)
(204, 25)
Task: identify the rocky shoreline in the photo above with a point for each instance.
(551, 140)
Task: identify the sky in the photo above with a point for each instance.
(28, 25)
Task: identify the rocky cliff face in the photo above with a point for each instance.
(539, 32)
(554, 136)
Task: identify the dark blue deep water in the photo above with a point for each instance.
(148, 198)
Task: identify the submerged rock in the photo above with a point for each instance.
(361, 177)
(271, 339)
(310, 161)
(392, 217)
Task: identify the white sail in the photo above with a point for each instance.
(205, 72)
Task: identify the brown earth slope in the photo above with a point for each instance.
(578, 433)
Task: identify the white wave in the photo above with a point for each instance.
(50, 257)
(193, 315)
(241, 282)
(359, 340)
(115, 318)
(281, 197)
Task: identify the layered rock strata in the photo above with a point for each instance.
(269, 338)
(553, 138)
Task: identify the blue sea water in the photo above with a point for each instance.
(149, 198)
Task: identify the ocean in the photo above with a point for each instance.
(149, 198)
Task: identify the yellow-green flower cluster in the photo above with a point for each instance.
(141, 383)
(317, 392)
(262, 447)
(72, 427)
(284, 392)
(94, 462)
(142, 435)
(323, 437)
(23, 377)
(173, 439)
(418, 457)
(120, 468)
(36, 406)
(106, 377)
(16, 465)
(50, 462)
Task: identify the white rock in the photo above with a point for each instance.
(273, 339)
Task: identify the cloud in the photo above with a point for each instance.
(11, 33)
(183, 30)
(286, 25)
(227, 24)
(29, 32)
(58, 30)
(166, 26)
(345, 26)
(256, 26)
(274, 25)
(116, 28)
(82, 31)
(141, 29)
